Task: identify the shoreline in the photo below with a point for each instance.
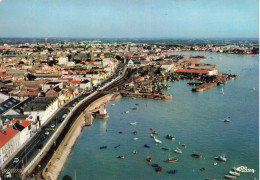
(60, 157)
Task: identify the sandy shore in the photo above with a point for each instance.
(58, 160)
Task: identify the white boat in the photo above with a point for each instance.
(127, 112)
(221, 158)
(152, 135)
(157, 140)
(222, 90)
(133, 123)
(243, 169)
(134, 152)
(135, 139)
(230, 177)
(234, 173)
(177, 150)
(112, 104)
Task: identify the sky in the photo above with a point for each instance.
(130, 18)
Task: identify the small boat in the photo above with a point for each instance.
(133, 123)
(103, 147)
(155, 165)
(120, 132)
(149, 159)
(169, 137)
(134, 152)
(183, 145)
(222, 91)
(165, 148)
(210, 179)
(227, 119)
(196, 155)
(120, 157)
(147, 146)
(177, 150)
(136, 104)
(152, 135)
(230, 177)
(157, 140)
(117, 146)
(215, 164)
(221, 158)
(134, 108)
(135, 132)
(112, 104)
(202, 169)
(234, 173)
(135, 139)
(171, 160)
(243, 169)
(151, 129)
(154, 132)
(158, 169)
(127, 112)
(172, 171)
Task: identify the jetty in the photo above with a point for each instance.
(205, 86)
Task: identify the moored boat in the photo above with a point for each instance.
(120, 157)
(177, 150)
(221, 158)
(170, 137)
(133, 123)
(117, 146)
(135, 108)
(103, 147)
(134, 152)
(155, 165)
(171, 160)
(149, 159)
(135, 139)
(135, 132)
(158, 169)
(230, 177)
(165, 148)
(172, 171)
(196, 155)
(234, 173)
(157, 140)
(147, 146)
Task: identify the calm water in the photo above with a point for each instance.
(195, 119)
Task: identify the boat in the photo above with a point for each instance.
(210, 179)
(165, 148)
(230, 177)
(155, 165)
(234, 173)
(136, 104)
(177, 150)
(112, 104)
(157, 140)
(215, 164)
(172, 171)
(221, 158)
(148, 159)
(135, 139)
(134, 152)
(135, 108)
(147, 146)
(103, 147)
(196, 155)
(227, 119)
(222, 91)
(154, 132)
(120, 157)
(117, 146)
(202, 169)
(133, 123)
(135, 132)
(120, 132)
(158, 169)
(243, 169)
(169, 137)
(171, 160)
(183, 145)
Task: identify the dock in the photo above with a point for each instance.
(146, 95)
(205, 86)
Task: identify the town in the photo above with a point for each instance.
(39, 78)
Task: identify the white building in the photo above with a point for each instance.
(63, 60)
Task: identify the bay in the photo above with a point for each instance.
(194, 119)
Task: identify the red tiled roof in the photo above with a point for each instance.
(192, 71)
(3, 75)
(5, 137)
(75, 82)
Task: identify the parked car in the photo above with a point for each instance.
(16, 160)
(8, 175)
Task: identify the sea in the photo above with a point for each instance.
(195, 119)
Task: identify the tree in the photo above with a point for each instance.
(31, 77)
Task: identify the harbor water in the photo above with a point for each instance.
(195, 119)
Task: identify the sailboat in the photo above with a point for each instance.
(177, 150)
(171, 159)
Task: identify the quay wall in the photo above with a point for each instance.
(205, 86)
(147, 95)
(55, 165)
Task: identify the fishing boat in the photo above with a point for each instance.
(157, 140)
(165, 148)
(234, 173)
(158, 169)
(117, 146)
(230, 177)
(172, 171)
(147, 146)
(177, 150)
(120, 157)
(135, 139)
(133, 123)
(148, 159)
(221, 158)
(196, 155)
(134, 152)
(155, 165)
(103, 147)
(169, 137)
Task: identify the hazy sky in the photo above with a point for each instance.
(129, 18)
